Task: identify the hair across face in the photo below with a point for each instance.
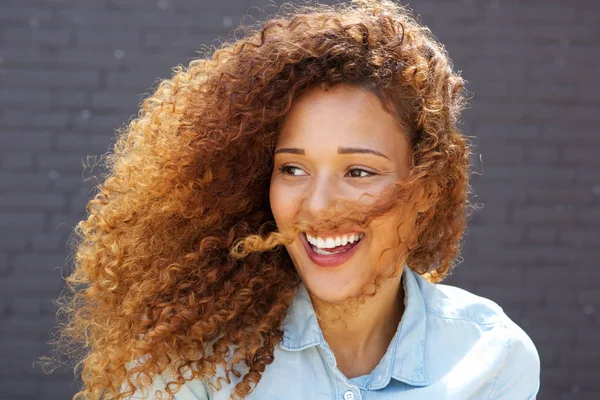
(179, 261)
(340, 144)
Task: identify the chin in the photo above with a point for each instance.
(332, 290)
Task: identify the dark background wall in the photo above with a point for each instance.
(73, 71)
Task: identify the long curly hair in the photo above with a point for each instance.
(178, 261)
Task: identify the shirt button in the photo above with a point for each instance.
(349, 395)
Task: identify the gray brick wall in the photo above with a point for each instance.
(73, 71)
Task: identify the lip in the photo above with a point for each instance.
(328, 261)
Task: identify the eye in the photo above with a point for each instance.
(359, 173)
(290, 170)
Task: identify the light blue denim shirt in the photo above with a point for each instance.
(450, 344)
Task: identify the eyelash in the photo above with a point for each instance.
(284, 167)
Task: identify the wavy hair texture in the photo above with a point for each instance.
(178, 261)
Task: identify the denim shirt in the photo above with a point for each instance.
(450, 344)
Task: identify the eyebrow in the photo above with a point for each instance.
(341, 150)
(293, 150)
(351, 150)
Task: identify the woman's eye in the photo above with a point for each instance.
(297, 171)
(359, 173)
(290, 170)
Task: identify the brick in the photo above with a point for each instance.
(556, 196)
(19, 36)
(506, 132)
(566, 136)
(13, 241)
(25, 140)
(48, 264)
(3, 267)
(36, 202)
(543, 215)
(30, 181)
(579, 237)
(24, 14)
(50, 79)
(137, 80)
(587, 156)
(86, 59)
(20, 388)
(70, 183)
(541, 235)
(550, 92)
(97, 123)
(507, 235)
(13, 118)
(47, 242)
(15, 327)
(17, 162)
(26, 307)
(587, 176)
(114, 101)
(511, 156)
(21, 220)
(62, 161)
(46, 285)
(587, 215)
(524, 174)
(87, 37)
(63, 389)
(72, 142)
(543, 155)
(516, 13)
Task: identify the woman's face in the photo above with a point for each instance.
(338, 144)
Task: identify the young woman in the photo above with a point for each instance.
(275, 223)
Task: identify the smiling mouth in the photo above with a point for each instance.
(333, 245)
(330, 251)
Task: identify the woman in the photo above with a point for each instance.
(274, 224)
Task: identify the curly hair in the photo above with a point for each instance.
(171, 265)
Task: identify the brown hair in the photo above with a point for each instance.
(172, 266)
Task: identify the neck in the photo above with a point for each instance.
(360, 339)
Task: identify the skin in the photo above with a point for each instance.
(317, 126)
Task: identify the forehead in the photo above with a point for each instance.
(342, 114)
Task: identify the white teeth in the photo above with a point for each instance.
(320, 243)
(330, 242)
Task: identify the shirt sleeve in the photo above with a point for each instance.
(519, 378)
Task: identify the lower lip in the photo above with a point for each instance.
(328, 260)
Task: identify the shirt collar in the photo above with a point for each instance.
(409, 353)
(300, 328)
(405, 357)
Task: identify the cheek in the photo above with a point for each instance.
(282, 205)
(385, 237)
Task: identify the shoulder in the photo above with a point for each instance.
(451, 302)
(519, 377)
(478, 322)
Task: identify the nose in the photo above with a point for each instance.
(321, 193)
